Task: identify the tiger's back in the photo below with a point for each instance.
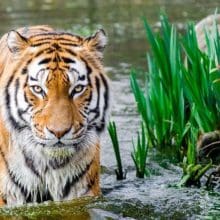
(55, 99)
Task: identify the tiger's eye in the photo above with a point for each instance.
(78, 89)
(37, 89)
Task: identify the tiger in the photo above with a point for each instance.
(54, 104)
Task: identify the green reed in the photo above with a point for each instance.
(201, 80)
(140, 153)
(193, 171)
(120, 174)
(162, 104)
(182, 94)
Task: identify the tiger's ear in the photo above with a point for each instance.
(16, 42)
(97, 42)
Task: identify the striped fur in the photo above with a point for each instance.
(53, 106)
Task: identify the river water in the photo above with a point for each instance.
(152, 198)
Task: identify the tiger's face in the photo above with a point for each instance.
(60, 97)
(58, 93)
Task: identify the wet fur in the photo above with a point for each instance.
(33, 169)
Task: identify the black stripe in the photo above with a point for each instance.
(45, 61)
(89, 71)
(12, 176)
(30, 164)
(59, 163)
(69, 44)
(49, 51)
(83, 114)
(72, 69)
(72, 181)
(69, 51)
(106, 94)
(91, 182)
(13, 121)
(82, 78)
(55, 46)
(68, 60)
(19, 111)
(96, 109)
(17, 84)
(57, 34)
(89, 98)
(41, 196)
(39, 53)
(4, 199)
(40, 44)
(43, 39)
(17, 183)
(24, 71)
(97, 83)
(101, 127)
(80, 128)
(26, 99)
(25, 95)
(28, 62)
(48, 40)
(67, 39)
(33, 79)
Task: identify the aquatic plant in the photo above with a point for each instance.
(140, 153)
(120, 173)
(162, 104)
(202, 89)
(182, 89)
(201, 80)
(193, 171)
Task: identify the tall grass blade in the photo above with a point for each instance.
(114, 137)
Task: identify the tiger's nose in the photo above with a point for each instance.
(59, 133)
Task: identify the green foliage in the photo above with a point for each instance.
(182, 94)
(201, 87)
(192, 170)
(162, 105)
(139, 154)
(120, 174)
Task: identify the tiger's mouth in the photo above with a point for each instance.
(74, 143)
(60, 143)
(70, 139)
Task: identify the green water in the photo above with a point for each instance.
(152, 198)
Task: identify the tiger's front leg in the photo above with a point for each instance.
(93, 178)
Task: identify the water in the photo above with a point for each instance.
(155, 197)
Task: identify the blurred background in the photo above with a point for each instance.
(120, 18)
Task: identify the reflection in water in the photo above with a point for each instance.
(148, 199)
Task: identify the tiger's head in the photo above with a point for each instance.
(55, 91)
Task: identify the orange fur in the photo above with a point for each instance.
(54, 111)
(94, 173)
